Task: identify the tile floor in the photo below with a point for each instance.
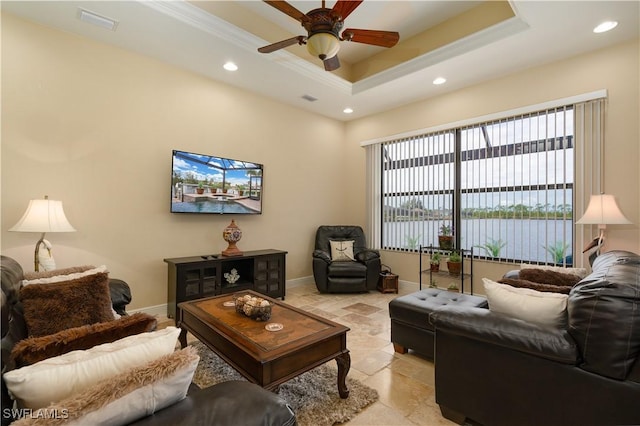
(405, 383)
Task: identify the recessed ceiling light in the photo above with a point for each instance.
(347, 110)
(230, 66)
(605, 26)
(439, 80)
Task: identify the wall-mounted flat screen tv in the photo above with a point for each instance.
(216, 185)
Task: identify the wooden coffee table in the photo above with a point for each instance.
(267, 358)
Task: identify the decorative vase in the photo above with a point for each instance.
(232, 234)
(255, 308)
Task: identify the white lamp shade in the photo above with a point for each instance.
(323, 45)
(43, 216)
(603, 210)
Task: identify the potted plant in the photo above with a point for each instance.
(445, 238)
(454, 263)
(200, 188)
(433, 284)
(435, 262)
(453, 287)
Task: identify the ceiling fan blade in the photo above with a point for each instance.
(343, 8)
(286, 8)
(282, 44)
(374, 37)
(331, 64)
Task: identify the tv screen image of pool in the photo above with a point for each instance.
(215, 185)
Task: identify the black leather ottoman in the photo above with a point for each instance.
(410, 326)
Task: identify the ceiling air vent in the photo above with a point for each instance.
(309, 98)
(97, 20)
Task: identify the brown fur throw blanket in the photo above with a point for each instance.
(34, 349)
(549, 288)
(53, 307)
(548, 277)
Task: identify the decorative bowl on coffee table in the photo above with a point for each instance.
(254, 307)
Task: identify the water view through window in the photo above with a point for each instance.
(505, 188)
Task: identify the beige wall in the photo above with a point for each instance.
(94, 126)
(614, 69)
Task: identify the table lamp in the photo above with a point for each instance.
(603, 210)
(43, 216)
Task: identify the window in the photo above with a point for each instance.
(505, 187)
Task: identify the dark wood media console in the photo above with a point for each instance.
(197, 277)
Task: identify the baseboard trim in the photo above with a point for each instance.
(156, 311)
(300, 281)
(409, 285)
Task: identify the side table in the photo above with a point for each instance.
(388, 283)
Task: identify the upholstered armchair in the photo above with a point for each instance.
(342, 263)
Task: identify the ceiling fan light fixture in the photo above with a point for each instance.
(323, 45)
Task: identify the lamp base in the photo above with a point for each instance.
(600, 240)
(43, 259)
(596, 243)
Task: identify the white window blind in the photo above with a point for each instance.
(506, 186)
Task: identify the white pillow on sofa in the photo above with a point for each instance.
(37, 385)
(131, 395)
(526, 304)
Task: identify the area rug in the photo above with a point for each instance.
(312, 395)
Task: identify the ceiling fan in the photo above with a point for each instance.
(323, 26)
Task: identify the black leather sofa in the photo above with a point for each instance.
(497, 370)
(360, 275)
(228, 403)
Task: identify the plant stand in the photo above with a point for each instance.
(465, 273)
